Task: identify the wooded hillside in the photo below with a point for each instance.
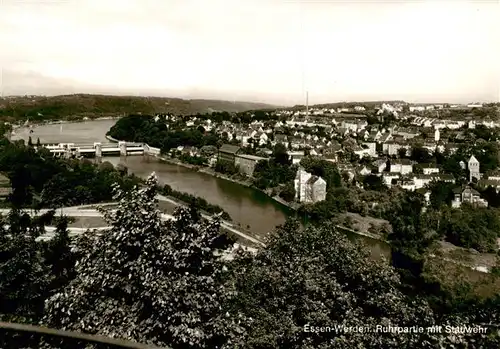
(85, 105)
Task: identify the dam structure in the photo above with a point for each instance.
(98, 149)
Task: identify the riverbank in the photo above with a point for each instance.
(83, 119)
(65, 122)
(452, 254)
(479, 262)
(111, 139)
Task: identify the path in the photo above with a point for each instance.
(82, 211)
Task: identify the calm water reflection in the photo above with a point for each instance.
(246, 206)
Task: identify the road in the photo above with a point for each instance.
(84, 211)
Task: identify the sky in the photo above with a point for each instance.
(270, 51)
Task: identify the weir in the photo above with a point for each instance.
(97, 149)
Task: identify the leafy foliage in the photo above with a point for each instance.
(31, 270)
(318, 277)
(55, 182)
(24, 278)
(275, 171)
(322, 168)
(148, 279)
(142, 128)
(411, 233)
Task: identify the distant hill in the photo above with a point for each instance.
(368, 104)
(77, 106)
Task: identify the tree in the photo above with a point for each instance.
(30, 142)
(59, 257)
(280, 155)
(420, 154)
(24, 276)
(288, 192)
(402, 152)
(441, 193)
(149, 280)
(409, 226)
(338, 286)
(373, 182)
(38, 143)
(322, 168)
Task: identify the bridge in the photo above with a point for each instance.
(99, 149)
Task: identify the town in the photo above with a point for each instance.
(403, 145)
(423, 180)
(249, 174)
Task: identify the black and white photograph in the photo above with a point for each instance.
(250, 174)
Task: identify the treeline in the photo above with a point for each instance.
(49, 266)
(39, 180)
(140, 128)
(166, 280)
(77, 106)
(195, 201)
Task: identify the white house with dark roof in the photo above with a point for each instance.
(403, 166)
(309, 188)
(429, 168)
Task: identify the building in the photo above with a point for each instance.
(246, 163)
(421, 180)
(389, 177)
(5, 186)
(473, 166)
(429, 169)
(296, 156)
(403, 166)
(227, 153)
(309, 188)
(469, 196)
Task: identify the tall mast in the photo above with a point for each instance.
(307, 104)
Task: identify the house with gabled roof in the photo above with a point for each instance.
(228, 152)
(467, 195)
(309, 188)
(428, 169)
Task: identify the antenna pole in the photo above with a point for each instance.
(307, 104)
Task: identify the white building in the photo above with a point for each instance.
(309, 188)
(388, 177)
(469, 196)
(428, 169)
(437, 135)
(402, 166)
(473, 166)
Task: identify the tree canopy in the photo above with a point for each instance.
(147, 279)
(171, 283)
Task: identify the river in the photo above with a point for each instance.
(250, 208)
